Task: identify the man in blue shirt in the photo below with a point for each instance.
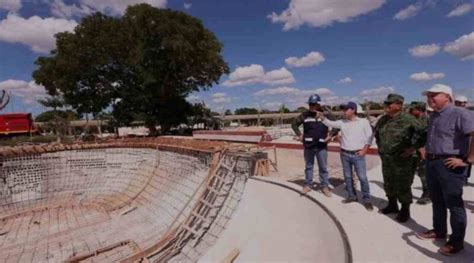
(449, 150)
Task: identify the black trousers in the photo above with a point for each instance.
(446, 187)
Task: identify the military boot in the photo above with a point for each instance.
(392, 207)
(424, 199)
(404, 214)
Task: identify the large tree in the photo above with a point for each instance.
(141, 65)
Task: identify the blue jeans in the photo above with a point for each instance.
(446, 187)
(358, 162)
(322, 158)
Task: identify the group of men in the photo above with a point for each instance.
(436, 141)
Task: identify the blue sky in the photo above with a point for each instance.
(279, 52)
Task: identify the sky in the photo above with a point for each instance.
(279, 52)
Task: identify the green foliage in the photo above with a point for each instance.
(142, 65)
(283, 109)
(51, 115)
(245, 110)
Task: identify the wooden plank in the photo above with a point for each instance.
(231, 256)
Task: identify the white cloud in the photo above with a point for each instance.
(35, 32)
(424, 50)
(29, 92)
(310, 59)
(377, 94)
(345, 80)
(276, 91)
(255, 74)
(460, 10)
(193, 98)
(408, 12)
(462, 47)
(10, 5)
(275, 105)
(291, 92)
(112, 7)
(320, 13)
(187, 5)
(220, 98)
(424, 76)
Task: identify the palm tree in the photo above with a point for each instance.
(4, 100)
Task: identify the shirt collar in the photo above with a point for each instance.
(446, 109)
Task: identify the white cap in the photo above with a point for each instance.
(461, 98)
(439, 88)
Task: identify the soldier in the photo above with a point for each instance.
(398, 134)
(315, 144)
(418, 110)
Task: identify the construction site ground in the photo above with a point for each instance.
(278, 223)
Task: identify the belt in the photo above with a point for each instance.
(349, 152)
(430, 156)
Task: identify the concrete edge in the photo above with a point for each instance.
(344, 236)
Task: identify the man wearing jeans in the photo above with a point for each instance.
(448, 154)
(356, 137)
(315, 145)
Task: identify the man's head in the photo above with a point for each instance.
(417, 108)
(349, 109)
(314, 102)
(439, 96)
(460, 101)
(393, 103)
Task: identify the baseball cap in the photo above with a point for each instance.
(349, 105)
(314, 99)
(439, 88)
(391, 98)
(461, 98)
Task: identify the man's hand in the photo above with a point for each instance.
(408, 152)
(320, 115)
(454, 163)
(362, 152)
(422, 153)
(298, 138)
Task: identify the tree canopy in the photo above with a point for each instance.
(141, 65)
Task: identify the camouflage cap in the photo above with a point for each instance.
(418, 105)
(391, 98)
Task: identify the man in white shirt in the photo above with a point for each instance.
(356, 138)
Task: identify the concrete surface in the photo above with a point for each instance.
(270, 225)
(274, 224)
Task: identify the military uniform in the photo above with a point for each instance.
(394, 135)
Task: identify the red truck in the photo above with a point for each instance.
(16, 123)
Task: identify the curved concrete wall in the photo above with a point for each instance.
(101, 203)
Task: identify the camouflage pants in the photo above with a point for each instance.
(398, 173)
(421, 171)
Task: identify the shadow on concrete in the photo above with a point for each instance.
(380, 184)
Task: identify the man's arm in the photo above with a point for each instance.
(470, 156)
(296, 125)
(332, 124)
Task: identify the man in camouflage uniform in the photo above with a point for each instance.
(418, 110)
(398, 135)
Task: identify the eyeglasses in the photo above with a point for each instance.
(313, 104)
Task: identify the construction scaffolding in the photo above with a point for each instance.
(118, 201)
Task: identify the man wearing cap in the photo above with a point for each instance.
(418, 110)
(398, 134)
(356, 137)
(460, 101)
(315, 145)
(449, 150)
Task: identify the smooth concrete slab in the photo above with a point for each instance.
(275, 224)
